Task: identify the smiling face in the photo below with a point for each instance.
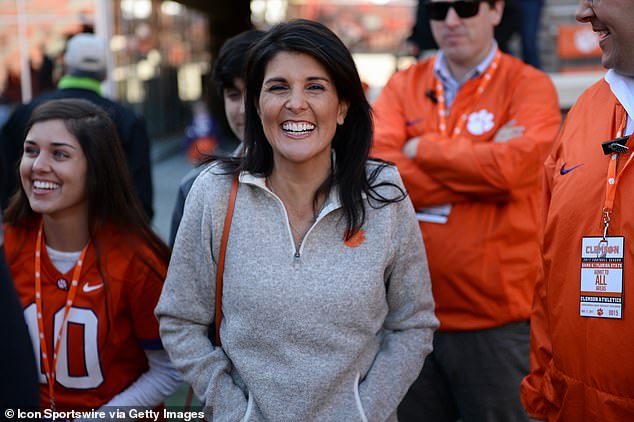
(466, 41)
(299, 108)
(612, 20)
(53, 171)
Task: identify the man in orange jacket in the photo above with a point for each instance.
(469, 130)
(582, 332)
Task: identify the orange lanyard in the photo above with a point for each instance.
(442, 105)
(612, 182)
(50, 372)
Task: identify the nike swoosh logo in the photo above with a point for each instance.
(88, 288)
(565, 170)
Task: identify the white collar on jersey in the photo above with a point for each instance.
(623, 89)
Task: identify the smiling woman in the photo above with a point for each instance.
(300, 110)
(86, 265)
(53, 175)
(327, 308)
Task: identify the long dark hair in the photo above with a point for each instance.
(352, 140)
(231, 58)
(229, 66)
(109, 192)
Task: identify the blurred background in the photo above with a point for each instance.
(162, 51)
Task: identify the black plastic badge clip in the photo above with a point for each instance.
(615, 145)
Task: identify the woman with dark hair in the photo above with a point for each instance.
(327, 309)
(86, 265)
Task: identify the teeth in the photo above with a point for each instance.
(298, 127)
(38, 184)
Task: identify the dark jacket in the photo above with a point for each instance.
(19, 387)
(130, 128)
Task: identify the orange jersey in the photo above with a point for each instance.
(484, 260)
(581, 367)
(109, 325)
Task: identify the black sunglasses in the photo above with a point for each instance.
(438, 10)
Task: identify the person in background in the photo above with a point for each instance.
(531, 11)
(421, 40)
(86, 264)
(582, 323)
(509, 25)
(85, 69)
(228, 81)
(327, 309)
(469, 130)
(200, 139)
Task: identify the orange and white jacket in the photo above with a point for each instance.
(484, 260)
(581, 368)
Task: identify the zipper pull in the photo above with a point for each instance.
(298, 248)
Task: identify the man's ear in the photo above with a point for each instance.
(497, 10)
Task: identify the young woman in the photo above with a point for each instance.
(327, 307)
(86, 265)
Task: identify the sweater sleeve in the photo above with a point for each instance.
(409, 324)
(494, 169)
(186, 310)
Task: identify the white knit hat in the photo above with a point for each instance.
(85, 53)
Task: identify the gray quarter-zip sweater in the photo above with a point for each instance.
(329, 332)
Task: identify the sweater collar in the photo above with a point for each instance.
(69, 81)
(332, 202)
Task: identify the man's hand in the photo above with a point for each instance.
(509, 131)
(410, 147)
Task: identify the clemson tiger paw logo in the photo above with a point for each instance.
(480, 122)
(355, 240)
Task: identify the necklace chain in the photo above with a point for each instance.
(295, 230)
(299, 234)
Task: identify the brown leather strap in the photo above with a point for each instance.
(221, 257)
